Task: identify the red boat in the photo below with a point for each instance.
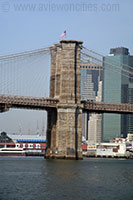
(22, 149)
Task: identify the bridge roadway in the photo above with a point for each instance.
(38, 103)
(103, 107)
(41, 103)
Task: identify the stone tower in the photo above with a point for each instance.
(64, 132)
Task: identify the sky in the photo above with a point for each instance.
(29, 24)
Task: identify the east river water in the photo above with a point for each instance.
(34, 178)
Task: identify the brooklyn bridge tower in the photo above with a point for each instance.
(64, 123)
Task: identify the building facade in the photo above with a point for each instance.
(91, 123)
(117, 88)
(95, 121)
(130, 93)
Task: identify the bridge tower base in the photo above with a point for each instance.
(64, 132)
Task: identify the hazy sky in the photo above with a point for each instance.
(29, 24)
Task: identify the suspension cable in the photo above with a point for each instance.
(92, 51)
(106, 63)
(113, 70)
(26, 53)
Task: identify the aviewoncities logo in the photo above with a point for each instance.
(21, 6)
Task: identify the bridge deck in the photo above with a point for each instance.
(7, 101)
(41, 103)
(102, 107)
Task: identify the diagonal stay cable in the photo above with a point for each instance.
(113, 70)
(106, 63)
(92, 51)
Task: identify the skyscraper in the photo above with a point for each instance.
(89, 89)
(116, 89)
(95, 121)
(130, 97)
(87, 92)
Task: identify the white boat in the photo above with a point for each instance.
(12, 152)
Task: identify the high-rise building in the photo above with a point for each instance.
(95, 121)
(118, 89)
(87, 86)
(89, 89)
(87, 92)
(130, 97)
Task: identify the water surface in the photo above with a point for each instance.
(34, 178)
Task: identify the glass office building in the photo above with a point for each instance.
(115, 89)
(130, 93)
